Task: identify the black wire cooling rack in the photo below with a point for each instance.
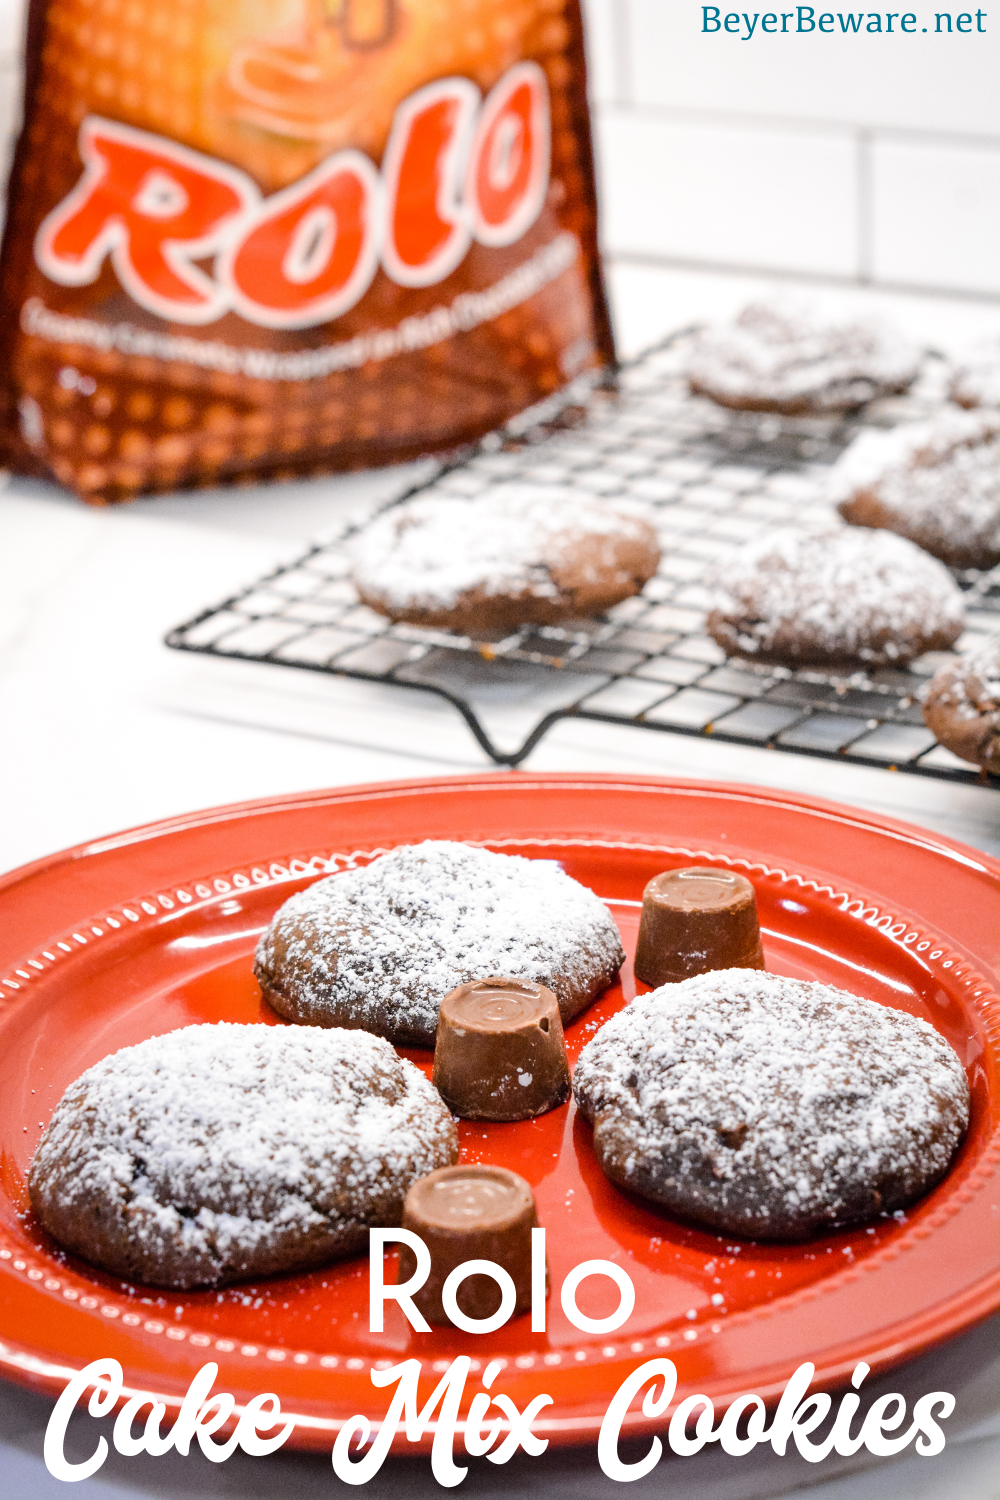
(713, 479)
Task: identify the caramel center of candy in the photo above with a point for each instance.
(467, 1200)
(487, 1006)
(700, 890)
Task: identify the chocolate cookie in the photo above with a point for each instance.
(833, 597)
(937, 483)
(516, 555)
(770, 1107)
(379, 948)
(217, 1153)
(962, 706)
(975, 381)
(777, 359)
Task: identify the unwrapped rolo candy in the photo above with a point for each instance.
(694, 920)
(260, 240)
(500, 1052)
(470, 1213)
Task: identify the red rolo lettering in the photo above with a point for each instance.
(155, 208)
(312, 249)
(424, 162)
(509, 168)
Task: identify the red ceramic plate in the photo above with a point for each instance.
(152, 930)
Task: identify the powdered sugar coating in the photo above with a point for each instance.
(976, 379)
(220, 1152)
(937, 483)
(549, 553)
(379, 948)
(777, 357)
(771, 1107)
(836, 594)
(879, 451)
(962, 706)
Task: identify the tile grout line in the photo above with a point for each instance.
(797, 125)
(666, 262)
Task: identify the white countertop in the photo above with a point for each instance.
(103, 728)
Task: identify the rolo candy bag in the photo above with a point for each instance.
(256, 238)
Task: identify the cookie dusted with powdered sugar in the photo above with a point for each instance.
(962, 706)
(833, 597)
(788, 360)
(770, 1107)
(519, 554)
(936, 483)
(217, 1153)
(379, 948)
(975, 380)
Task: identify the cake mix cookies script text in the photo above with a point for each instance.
(486, 1421)
(492, 1424)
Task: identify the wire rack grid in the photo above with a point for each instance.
(713, 480)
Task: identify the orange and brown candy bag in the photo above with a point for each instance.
(257, 238)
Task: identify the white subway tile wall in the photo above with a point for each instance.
(924, 81)
(865, 159)
(699, 191)
(936, 212)
(606, 47)
(872, 160)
